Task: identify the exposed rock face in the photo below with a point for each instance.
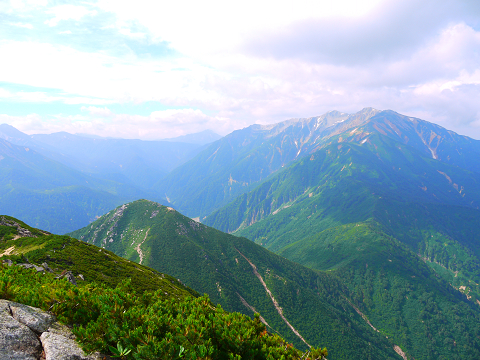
(17, 341)
(36, 319)
(69, 276)
(32, 266)
(22, 232)
(27, 332)
(60, 347)
(46, 267)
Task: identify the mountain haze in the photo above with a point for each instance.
(392, 208)
(61, 182)
(201, 138)
(51, 195)
(238, 162)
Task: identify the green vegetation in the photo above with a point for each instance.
(10, 228)
(63, 253)
(126, 309)
(398, 229)
(399, 293)
(146, 325)
(212, 262)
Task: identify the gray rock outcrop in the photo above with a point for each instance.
(69, 276)
(28, 333)
(17, 341)
(36, 319)
(22, 232)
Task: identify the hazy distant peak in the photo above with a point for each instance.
(13, 135)
(201, 138)
(10, 131)
(369, 110)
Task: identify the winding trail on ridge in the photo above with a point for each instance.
(139, 251)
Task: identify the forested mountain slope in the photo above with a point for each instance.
(114, 306)
(241, 160)
(236, 273)
(397, 226)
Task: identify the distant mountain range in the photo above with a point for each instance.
(376, 212)
(367, 197)
(241, 160)
(61, 182)
(201, 138)
(142, 163)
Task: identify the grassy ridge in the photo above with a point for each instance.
(122, 305)
(212, 262)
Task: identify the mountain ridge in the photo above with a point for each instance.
(225, 267)
(243, 159)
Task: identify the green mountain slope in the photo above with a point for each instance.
(241, 160)
(237, 273)
(399, 293)
(365, 199)
(429, 139)
(124, 309)
(235, 163)
(21, 243)
(428, 205)
(344, 183)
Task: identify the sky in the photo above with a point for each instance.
(155, 69)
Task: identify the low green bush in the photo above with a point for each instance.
(124, 323)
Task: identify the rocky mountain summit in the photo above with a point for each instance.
(29, 333)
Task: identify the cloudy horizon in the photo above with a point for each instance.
(137, 70)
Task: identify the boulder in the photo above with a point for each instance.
(60, 347)
(47, 268)
(17, 341)
(36, 319)
(19, 326)
(69, 276)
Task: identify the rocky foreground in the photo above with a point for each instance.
(28, 333)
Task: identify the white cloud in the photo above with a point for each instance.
(214, 26)
(104, 122)
(95, 111)
(68, 12)
(21, 5)
(22, 25)
(251, 61)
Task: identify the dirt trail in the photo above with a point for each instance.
(139, 251)
(8, 251)
(275, 303)
(247, 305)
(397, 348)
